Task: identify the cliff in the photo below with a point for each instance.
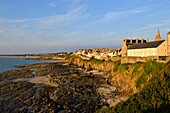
(153, 98)
(129, 73)
(128, 79)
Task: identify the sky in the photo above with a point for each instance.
(45, 26)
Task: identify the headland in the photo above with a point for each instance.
(92, 80)
(77, 85)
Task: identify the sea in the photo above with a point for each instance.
(9, 63)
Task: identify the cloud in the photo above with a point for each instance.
(163, 23)
(46, 23)
(44, 32)
(67, 18)
(119, 14)
(53, 4)
(149, 27)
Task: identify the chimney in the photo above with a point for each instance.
(147, 40)
(130, 40)
(142, 40)
(137, 40)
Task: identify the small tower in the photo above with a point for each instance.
(124, 47)
(168, 43)
(158, 36)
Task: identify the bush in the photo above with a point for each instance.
(150, 66)
(136, 67)
(153, 98)
(71, 57)
(116, 65)
(123, 68)
(141, 80)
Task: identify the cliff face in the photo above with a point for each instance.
(147, 83)
(93, 64)
(129, 78)
(154, 97)
(110, 69)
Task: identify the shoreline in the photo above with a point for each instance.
(13, 56)
(16, 66)
(77, 82)
(31, 57)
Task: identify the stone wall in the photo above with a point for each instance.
(133, 59)
(127, 59)
(115, 58)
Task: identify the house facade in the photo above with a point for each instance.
(155, 48)
(127, 43)
(158, 48)
(141, 52)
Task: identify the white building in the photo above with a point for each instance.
(155, 48)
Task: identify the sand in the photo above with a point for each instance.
(38, 80)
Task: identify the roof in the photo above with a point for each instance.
(153, 44)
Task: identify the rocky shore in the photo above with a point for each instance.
(56, 87)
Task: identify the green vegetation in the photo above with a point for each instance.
(116, 65)
(141, 80)
(155, 95)
(96, 61)
(123, 68)
(71, 57)
(151, 66)
(135, 69)
(109, 61)
(148, 69)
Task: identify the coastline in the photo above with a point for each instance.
(54, 79)
(13, 56)
(72, 85)
(8, 63)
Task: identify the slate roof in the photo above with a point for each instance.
(153, 44)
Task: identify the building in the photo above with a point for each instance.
(127, 43)
(168, 45)
(158, 48)
(141, 52)
(155, 48)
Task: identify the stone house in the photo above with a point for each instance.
(155, 48)
(126, 43)
(158, 48)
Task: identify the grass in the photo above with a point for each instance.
(153, 97)
(116, 65)
(123, 68)
(135, 69)
(96, 61)
(148, 69)
(141, 80)
(71, 57)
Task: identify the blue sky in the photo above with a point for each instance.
(40, 26)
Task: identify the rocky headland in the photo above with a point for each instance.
(73, 85)
(55, 87)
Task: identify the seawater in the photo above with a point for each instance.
(8, 63)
